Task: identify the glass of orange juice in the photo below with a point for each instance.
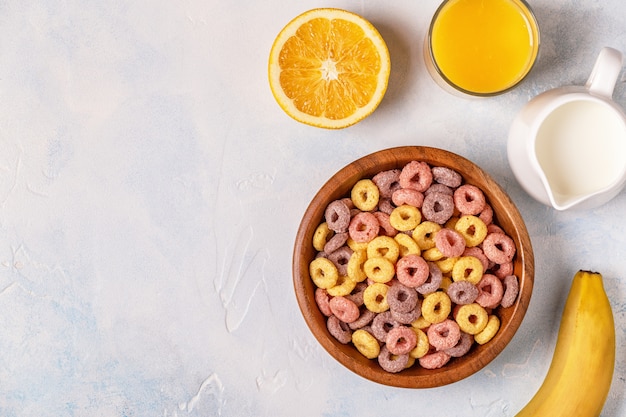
(481, 47)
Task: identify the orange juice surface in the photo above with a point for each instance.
(484, 46)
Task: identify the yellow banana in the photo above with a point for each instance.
(581, 371)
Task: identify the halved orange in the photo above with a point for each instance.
(329, 68)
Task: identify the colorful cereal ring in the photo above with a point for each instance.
(433, 282)
(337, 215)
(401, 298)
(472, 228)
(405, 218)
(438, 207)
(490, 291)
(422, 347)
(424, 234)
(390, 362)
(379, 269)
(472, 318)
(436, 307)
(366, 344)
(321, 235)
(412, 270)
(381, 325)
(450, 243)
(363, 227)
(444, 335)
(365, 195)
(511, 289)
(499, 248)
(375, 297)
(323, 272)
(416, 175)
(469, 199)
(407, 245)
(468, 268)
(383, 246)
(339, 330)
(490, 330)
(434, 360)
(401, 340)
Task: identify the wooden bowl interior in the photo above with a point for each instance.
(505, 214)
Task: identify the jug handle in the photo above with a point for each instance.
(605, 72)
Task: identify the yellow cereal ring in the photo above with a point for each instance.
(468, 268)
(405, 218)
(355, 265)
(424, 234)
(407, 245)
(472, 318)
(375, 297)
(445, 283)
(355, 246)
(436, 307)
(323, 272)
(422, 346)
(420, 323)
(473, 230)
(451, 222)
(321, 235)
(379, 269)
(490, 330)
(365, 195)
(432, 254)
(384, 246)
(446, 264)
(410, 362)
(366, 344)
(344, 286)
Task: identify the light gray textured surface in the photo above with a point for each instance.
(151, 188)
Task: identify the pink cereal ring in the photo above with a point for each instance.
(322, 299)
(390, 362)
(499, 248)
(386, 229)
(469, 199)
(407, 196)
(502, 270)
(444, 335)
(387, 182)
(416, 175)
(486, 215)
(434, 360)
(337, 216)
(511, 289)
(363, 227)
(412, 270)
(494, 228)
(490, 291)
(447, 176)
(450, 243)
(344, 309)
(339, 330)
(401, 340)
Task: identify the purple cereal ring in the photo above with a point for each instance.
(401, 298)
(335, 242)
(385, 205)
(363, 227)
(407, 196)
(357, 293)
(511, 289)
(490, 291)
(390, 362)
(447, 176)
(339, 330)
(408, 317)
(412, 270)
(462, 292)
(469, 199)
(502, 270)
(364, 319)
(322, 299)
(344, 309)
(340, 259)
(462, 347)
(439, 188)
(381, 324)
(434, 360)
(433, 282)
(386, 229)
(337, 216)
(387, 182)
(438, 207)
(498, 248)
(416, 175)
(401, 340)
(444, 335)
(450, 243)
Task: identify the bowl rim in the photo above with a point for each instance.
(509, 218)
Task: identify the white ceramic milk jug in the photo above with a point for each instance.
(567, 147)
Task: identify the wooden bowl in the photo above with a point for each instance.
(505, 214)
